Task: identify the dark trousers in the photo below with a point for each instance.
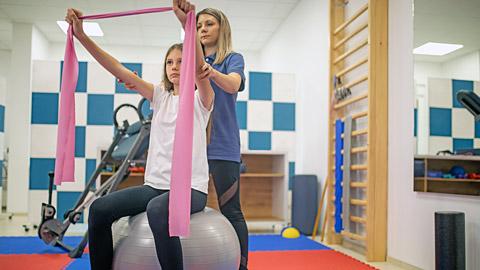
(132, 201)
(226, 176)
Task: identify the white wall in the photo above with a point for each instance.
(40, 45)
(411, 214)
(5, 56)
(300, 46)
(17, 117)
(466, 67)
(127, 53)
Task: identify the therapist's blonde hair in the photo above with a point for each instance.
(224, 42)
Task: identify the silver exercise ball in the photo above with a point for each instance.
(212, 244)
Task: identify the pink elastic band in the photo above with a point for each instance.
(180, 185)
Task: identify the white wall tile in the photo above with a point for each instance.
(79, 184)
(284, 141)
(437, 143)
(243, 95)
(243, 140)
(476, 87)
(283, 87)
(81, 109)
(46, 76)
(152, 73)
(35, 200)
(440, 93)
(260, 115)
(99, 80)
(476, 143)
(463, 124)
(43, 141)
(97, 137)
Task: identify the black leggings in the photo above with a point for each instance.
(128, 202)
(226, 176)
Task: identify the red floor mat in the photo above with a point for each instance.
(304, 260)
(34, 261)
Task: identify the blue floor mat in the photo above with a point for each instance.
(33, 245)
(277, 242)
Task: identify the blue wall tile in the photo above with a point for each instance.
(90, 166)
(284, 116)
(458, 85)
(65, 201)
(440, 122)
(2, 118)
(100, 109)
(459, 144)
(260, 140)
(291, 173)
(79, 141)
(260, 86)
(242, 114)
(82, 76)
(39, 169)
(120, 87)
(45, 108)
(477, 129)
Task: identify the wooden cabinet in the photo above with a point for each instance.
(463, 186)
(134, 179)
(263, 188)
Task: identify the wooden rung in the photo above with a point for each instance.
(352, 34)
(354, 116)
(356, 150)
(352, 67)
(349, 21)
(353, 218)
(353, 236)
(358, 184)
(358, 115)
(350, 101)
(354, 202)
(359, 132)
(358, 202)
(355, 184)
(361, 167)
(358, 219)
(350, 52)
(356, 82)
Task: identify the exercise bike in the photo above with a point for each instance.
(130, 142)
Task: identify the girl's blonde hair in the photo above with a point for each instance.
(224, 43)
(167, 84)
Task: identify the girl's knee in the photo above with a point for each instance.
(99, 212)
(157, 214)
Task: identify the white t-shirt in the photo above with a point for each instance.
(162, 133)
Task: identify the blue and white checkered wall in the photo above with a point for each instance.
(451, 127)
(265, 111)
